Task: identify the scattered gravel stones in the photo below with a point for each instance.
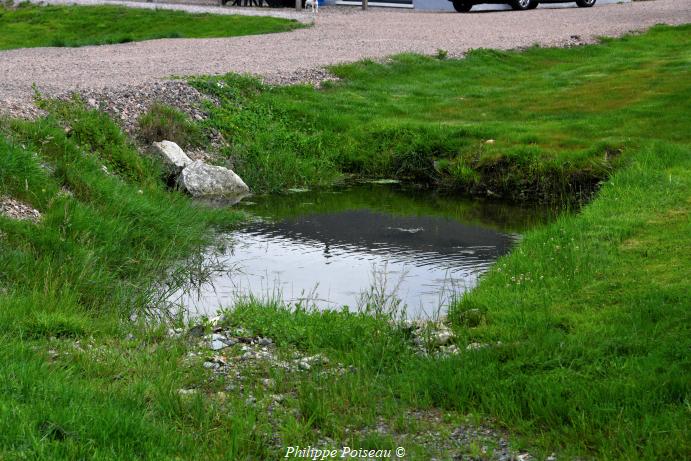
(467, 441)
(315, 77)
(20, 108)
(242, 351)
(127, 104)
(14, 209)
(432, 337)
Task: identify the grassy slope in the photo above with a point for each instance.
(595, 340)
(81, 271)
(559, 117)
(28, 26)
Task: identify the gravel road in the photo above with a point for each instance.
(338, 35)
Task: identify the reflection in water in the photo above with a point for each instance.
(322, 248)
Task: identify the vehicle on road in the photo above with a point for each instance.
(463, 6)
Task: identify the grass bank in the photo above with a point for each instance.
(27, 25)
(578, 340)
(109, 233)
(541, 124)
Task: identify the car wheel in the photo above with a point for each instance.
(522, 4)
(461, 6)
(585, 3)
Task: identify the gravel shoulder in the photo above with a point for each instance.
(338, 35)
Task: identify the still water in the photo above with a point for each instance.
(328, 249)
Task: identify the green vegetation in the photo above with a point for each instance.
(543, 124)
(104, 240)
(583, 329)
(163, 122)
(592, 313)
(28, 26)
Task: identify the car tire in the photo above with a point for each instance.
(533, 5)
(522, 5)
(461, 6)
(585, 3)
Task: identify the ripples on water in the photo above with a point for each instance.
(323, 248)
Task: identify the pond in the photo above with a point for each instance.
(360, 245)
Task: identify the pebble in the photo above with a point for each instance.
(217, 345)
(211, 365)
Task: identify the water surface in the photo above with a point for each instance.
(329, 248)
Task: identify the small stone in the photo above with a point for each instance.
(475, 346)
(268, 382)
(304, 365)
(218, 342)
(450, 350)
(442, 337)
(217, 345)
(187, 392)
(264, 341)
(219, 359)
(490, 141)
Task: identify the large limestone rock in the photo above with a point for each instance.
(173, 157)
(202, 180)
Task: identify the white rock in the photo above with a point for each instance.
(217, 345)
(202, 180)
(442, 337)
(172, 156)
(210, 365)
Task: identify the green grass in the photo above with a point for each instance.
(28, 26)
(586, 322)
(163, 122)
(561, 119)
(105, 240)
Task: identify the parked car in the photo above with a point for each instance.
(463, 6)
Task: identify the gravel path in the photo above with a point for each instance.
(338, 35)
